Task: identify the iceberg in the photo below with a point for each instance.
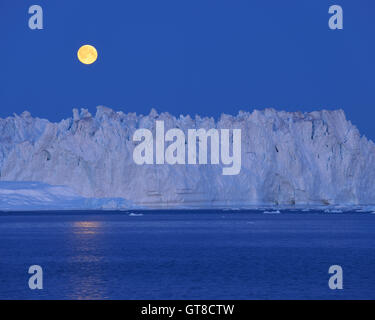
(290, 159)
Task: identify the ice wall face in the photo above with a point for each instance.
(287, 158)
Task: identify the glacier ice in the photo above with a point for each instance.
(37, 196)
(288, 158)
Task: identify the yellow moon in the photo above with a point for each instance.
(87, 54)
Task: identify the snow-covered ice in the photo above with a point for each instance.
(36, 196)
(288, 159)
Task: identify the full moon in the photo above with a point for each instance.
(87, 54)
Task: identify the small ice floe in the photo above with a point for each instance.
(333, 211)
(368, 209)
(272, 212)
(230, 209)
(132, 214)
(305, 210)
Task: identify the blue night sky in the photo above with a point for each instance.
(202, 57)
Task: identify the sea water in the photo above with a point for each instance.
(187, 255)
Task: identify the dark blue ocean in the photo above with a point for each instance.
(187, 255)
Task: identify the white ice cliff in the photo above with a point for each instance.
(316, 158)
